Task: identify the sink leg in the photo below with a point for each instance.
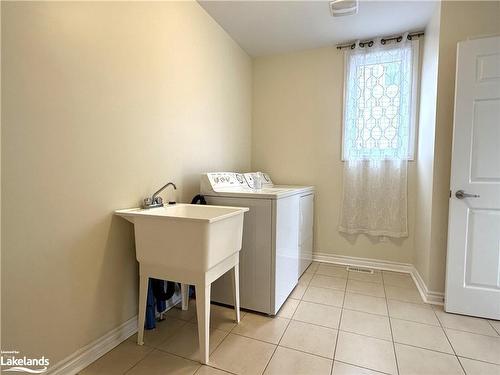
(235, 275)
(143, 295)
(203, 315)
(185, 296)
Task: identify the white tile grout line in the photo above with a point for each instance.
(449, 341)
(492, 326)
(157, 348)
(338, 327)
(441, 326)
(303, 351)
(390, 326)
(286, 328)
(363, 367)
(478, 360)
(154, 348)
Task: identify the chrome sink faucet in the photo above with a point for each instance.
(156, 201)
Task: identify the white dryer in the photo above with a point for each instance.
(277, 237)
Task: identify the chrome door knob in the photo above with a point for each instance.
(460, 194)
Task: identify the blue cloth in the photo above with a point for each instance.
(154, 303)
(161, 305)
(150, 321)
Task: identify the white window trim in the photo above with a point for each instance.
(414, 116)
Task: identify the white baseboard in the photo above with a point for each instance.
(363, 262)
(93, 351)
(429, 296)
(435, 298)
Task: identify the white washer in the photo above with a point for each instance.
(277, 237)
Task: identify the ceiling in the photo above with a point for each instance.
(270, 27)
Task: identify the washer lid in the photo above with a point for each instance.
(276, 192)
(230, 184)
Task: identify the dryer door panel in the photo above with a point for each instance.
(306, 213)
(255, 256)
(287, 249)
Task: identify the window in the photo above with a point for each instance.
(379, 102)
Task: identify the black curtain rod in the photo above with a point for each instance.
(369, 43)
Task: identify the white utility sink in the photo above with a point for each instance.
(186, 236)
(191, 244)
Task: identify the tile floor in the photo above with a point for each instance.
(335, 322)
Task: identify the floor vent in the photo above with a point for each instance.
(357, 269)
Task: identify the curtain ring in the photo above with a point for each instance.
(399, 39)
(382, 41)
(361, 44)
(353, 45)
(409, 37)
(370, 43)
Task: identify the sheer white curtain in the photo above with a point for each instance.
(378, 135)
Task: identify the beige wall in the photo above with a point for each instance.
(297, 136)
(459, 20)
(102, 104)
(425, 149)
(296, 130)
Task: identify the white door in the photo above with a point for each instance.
(473, 261)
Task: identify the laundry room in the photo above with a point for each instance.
(250, 187)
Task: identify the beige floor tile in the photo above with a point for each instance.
(421, 313)
(325, 296)
(185, 343)
(118, 360)
(417, 361)
(332, 270)
(471, 345)
(298, 291)
(421, 335)
(366, 324)
(314, 313)
(403, 294)
(496, 325)
(465, 323)
(176, 312)
(261, 327)
(207, 370)
(375, 277)
(328, 282)
(366, 352)
(306, 278)
(361, 302)
(362, 287)
(312, 268)
(163, 331)
(340, 368)
(479, 368)
(310, 338)
(222, 318)
(242, 355)
(288, 308)
(160, 363)
(401, 280)
(290, 362)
